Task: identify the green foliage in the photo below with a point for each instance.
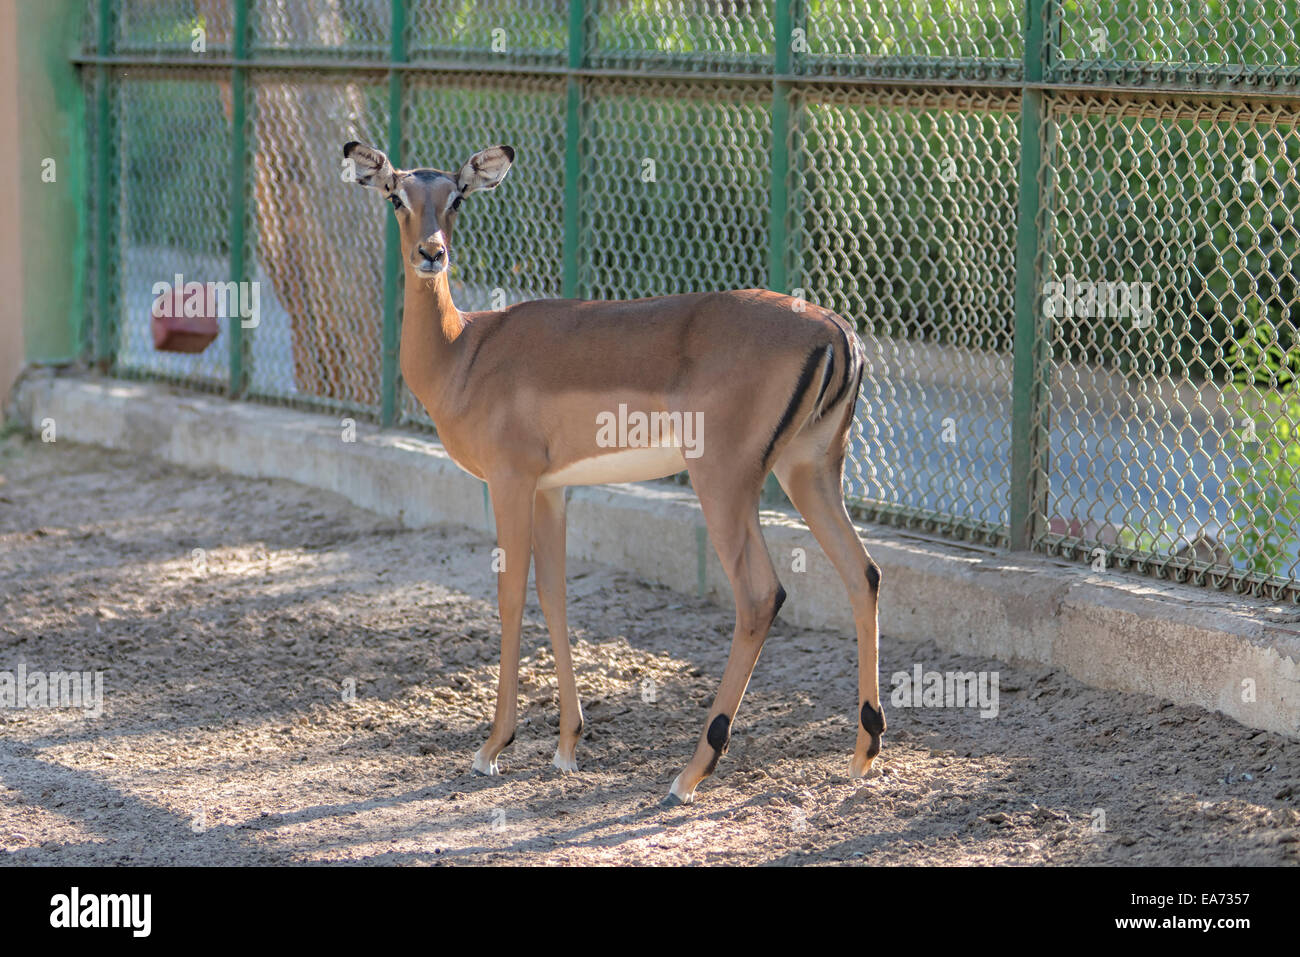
(1199, 208)
(1265, 367)
(1162, 539)
(175, 165)
(675, 193)
(1266, 354)
(455, 27)
(645, 32)
(906, 219)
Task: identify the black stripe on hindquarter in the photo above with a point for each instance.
(851, 407)
(826, 380)
(849, 372)
(815, 358)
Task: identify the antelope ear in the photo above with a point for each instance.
(368, 166)
(485, 169)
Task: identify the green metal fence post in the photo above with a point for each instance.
(392, 239)
(779, 201)
(238, 188)
(1028, 481)
(778, 214)
(105, 332)
(573, 148)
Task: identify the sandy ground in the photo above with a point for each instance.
(226, 736)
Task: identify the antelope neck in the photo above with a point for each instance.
(431, 325)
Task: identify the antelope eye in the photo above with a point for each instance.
(397, 203)
(455, 203)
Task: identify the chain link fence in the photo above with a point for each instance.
(1066, 234)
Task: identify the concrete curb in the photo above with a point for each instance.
(1124, 632)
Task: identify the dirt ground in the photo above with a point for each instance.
(226, 737)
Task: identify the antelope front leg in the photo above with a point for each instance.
(548, 550)
(512, 505)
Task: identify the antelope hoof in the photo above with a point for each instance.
(566, 765)
(860, 767)
(485, 766)
(676, 795)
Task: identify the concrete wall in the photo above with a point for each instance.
(1112, 630)
(11, 262)
(43, 258)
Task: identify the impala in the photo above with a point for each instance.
(525, 398)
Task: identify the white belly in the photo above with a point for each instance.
(618, 465)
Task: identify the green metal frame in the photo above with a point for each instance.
(392, 239)
(573, 148)
(1040, 75)
(779, 208)
(238, 191)
(105, 326)
(786, 16)
(1027, 366)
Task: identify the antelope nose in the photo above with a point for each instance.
(430, 255)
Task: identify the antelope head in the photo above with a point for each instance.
(426, 202)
